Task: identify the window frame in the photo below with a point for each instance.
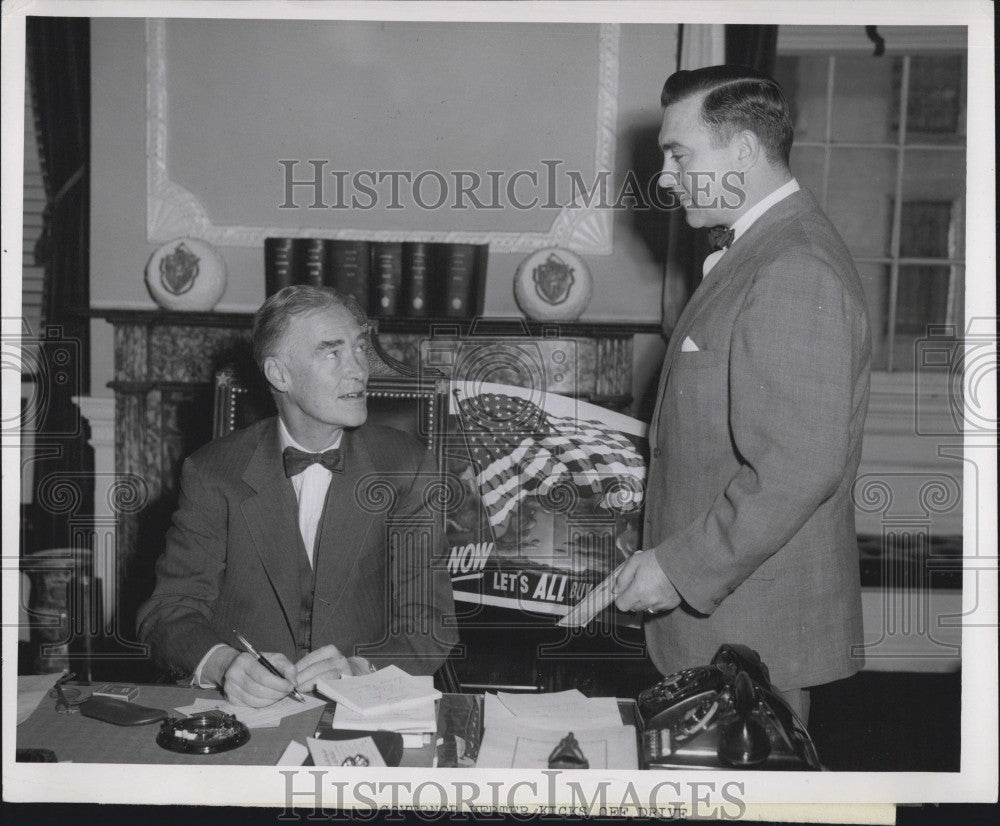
(905, 42)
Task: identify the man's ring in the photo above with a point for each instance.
(650, 610)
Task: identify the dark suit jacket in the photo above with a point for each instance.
(233, 556)
(756, 441)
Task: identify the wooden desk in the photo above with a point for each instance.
(85, 740)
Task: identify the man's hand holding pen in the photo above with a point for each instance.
(258, 679)
(283, 670)
(329, 664)
(249, 683)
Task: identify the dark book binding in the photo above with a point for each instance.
(349, 268)
(416, 264)
(464, 271)
(387, 277)
(279, 264)
(413, 279)
(312, 254)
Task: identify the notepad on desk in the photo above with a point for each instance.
(388, 690)
(417, 719)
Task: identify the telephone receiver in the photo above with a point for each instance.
(743, 741)
(723, 715)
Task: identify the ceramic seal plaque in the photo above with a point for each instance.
(186, 274)
(553, 284)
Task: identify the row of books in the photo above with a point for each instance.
(408, 279)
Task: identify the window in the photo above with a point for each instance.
(881, 143)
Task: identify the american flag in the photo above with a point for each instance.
(523, 451)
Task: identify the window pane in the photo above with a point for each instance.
(935, 108)
(927, 296)
(925, 229)
(933, 175)
(875, 279)
(861, 189)
(862, 93)
(922, 298)
(803, 80)
(807, 167)
(907, 346)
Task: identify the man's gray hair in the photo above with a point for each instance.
(271, 320)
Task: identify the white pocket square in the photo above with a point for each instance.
(688, 346)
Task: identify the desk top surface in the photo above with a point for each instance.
(85, 740)
(73, 737)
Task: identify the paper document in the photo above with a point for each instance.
(389, 688)
(415, 741)
(31, 690)
(565, 710)
(360, 752)
(599, 598)
(536, 703)
(516, 746)
(295, 754)
(267, 717)
(495, 713)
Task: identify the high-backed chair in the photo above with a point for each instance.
(399, 396)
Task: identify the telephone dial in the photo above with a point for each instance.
(723, 715)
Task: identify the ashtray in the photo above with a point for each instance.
(210, 732)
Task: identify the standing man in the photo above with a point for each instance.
(749, 528)
(280, 533)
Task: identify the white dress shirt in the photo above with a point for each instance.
(745, 221)
(311, 486)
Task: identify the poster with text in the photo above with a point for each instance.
(551, 495)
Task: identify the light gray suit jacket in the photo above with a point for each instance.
(756, 440)
(234, 555)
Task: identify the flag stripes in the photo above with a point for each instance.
(521, 451)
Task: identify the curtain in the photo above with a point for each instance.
(753, 46)
(58, 66)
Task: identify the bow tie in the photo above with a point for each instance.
(297, 461)
(721, 237)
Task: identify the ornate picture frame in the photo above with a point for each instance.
(174, 211)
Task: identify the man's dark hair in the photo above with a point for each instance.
(271, 320)
(737, 98)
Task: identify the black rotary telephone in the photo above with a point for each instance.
(723, 715)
